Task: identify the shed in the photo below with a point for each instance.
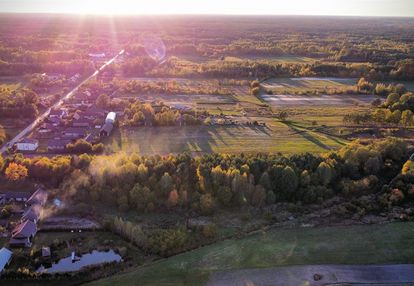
(23, 234)
(27, 144)
(5, 258)
(111, 117)
(46, 251)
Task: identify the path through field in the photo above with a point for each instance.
(329, 275)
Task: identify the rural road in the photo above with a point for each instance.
(58, 104)
(402, 274)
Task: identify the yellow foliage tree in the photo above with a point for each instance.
(16, 172)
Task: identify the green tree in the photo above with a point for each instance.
(407, 118)
(392, 99)
(289, 182)
(325, 173)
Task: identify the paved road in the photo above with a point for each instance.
(402, 274)
(58, 104)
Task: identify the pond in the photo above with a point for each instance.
(67, 264)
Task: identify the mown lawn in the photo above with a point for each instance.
(374, 244)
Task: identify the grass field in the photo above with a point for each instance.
(374, 244)
(276, 137)
(309, 85)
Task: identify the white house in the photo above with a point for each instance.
(27, 144)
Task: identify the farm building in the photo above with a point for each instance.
(55, 145)
(74, 132)
(23, 234)
(46, 251)
(16, 197)
(106, 130)
(57, 113)
(97, 55)
(81, 122)
(93, 113)
(46, 128)
(110, 118)
(5, 258)
(27, 144)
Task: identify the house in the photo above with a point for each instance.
(57, 113)
(75, 77)
(81, 122)
(46, 128)
(5, 258)
(57, 145)
(110, 118)
(39, 197)
(31, 214)
(23, 234)
(94, 113)
(97, 55)
(27, 144)
(77, 116)
(4, 223)
(106, 130)
(2, 199)
(74, 132)
(17, 197)
(55, 121)
(46, 251)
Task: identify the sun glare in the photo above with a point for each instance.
(236, 7)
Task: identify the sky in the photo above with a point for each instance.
(392, 8)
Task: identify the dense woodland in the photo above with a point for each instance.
(132, 182)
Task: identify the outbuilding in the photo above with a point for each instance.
(27, 144)
(5, 258)
(23, 234)
(111, 117)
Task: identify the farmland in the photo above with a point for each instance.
(191, 145)
(276, 137)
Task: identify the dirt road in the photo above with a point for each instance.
(329, 275)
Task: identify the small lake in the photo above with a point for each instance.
(94, 258)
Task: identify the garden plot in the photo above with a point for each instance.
(320, 100)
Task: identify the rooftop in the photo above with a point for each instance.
(25, 229)
(28, 141)
(5, 256)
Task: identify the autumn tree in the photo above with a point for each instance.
(16, 172)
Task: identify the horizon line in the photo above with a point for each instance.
(201, 14)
